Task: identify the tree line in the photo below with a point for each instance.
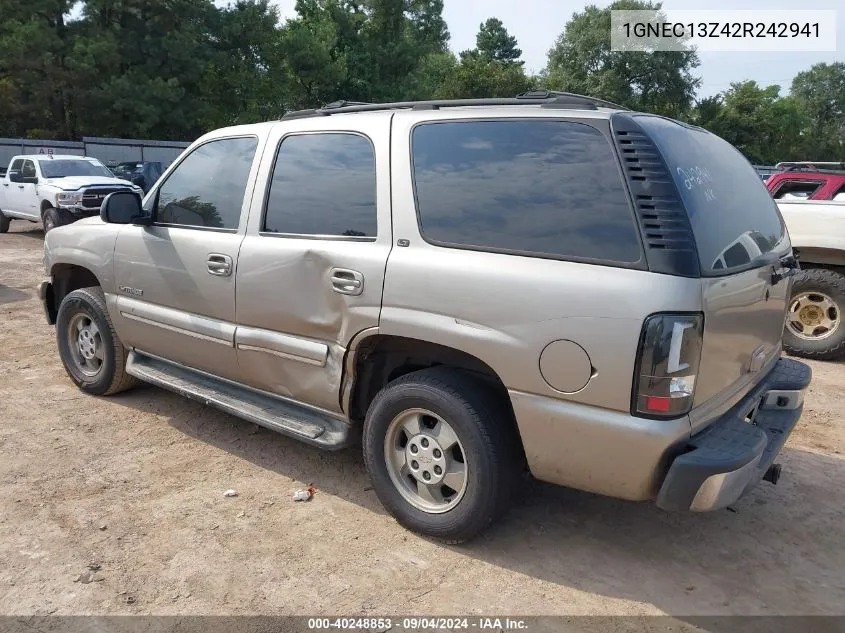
(175, 69)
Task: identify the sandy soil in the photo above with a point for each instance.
(133, 486)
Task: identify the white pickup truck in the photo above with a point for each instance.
(55, 189)
(815, 322)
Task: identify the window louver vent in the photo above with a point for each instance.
(670, 246)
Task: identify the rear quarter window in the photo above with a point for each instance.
(534, 187)
(733, 217)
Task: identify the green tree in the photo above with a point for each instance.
(433, 75)
(142, 64)
(37, 91)
(707, 111)
(314, 59)
(762, 124)
(494, 42)
(820, 93)
(244, 79)
(581, 61)
(477, 76)
(490, 69)
(371, 50)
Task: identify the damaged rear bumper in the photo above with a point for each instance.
(732, 455)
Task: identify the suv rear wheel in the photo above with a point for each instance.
(442, 453)
(4, 223)
(814, 322)
(93, 356)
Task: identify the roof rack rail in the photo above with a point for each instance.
(569, 97)
(544, 98)
(811, 166)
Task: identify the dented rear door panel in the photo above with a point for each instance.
(295, 315)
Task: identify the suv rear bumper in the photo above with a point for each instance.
(730, 456)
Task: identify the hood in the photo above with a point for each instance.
(70, 183)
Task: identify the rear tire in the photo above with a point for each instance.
(4, 223)
(90, 350)
(466, 446)
(815, 327)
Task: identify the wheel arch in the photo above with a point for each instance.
(46, 204)
(821, 257)
(375, 359)
(67, 278)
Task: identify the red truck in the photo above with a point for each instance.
(808, 181)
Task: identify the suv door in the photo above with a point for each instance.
(311, 267)
(175, 280)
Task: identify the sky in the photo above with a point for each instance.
(537, 23)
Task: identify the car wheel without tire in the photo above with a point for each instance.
(4, 223)
(93, 356)
(442, 451)
(814, 324)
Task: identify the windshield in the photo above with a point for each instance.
(733, 217)
(63, 168)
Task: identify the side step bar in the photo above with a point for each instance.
(298, 422)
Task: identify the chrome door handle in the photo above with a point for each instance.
(346, 282)
(220, 265)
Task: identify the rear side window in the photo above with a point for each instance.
(16, 165)
(207, 188)
(542, 187)
(796, 189)
(323, 185)
(733, 217)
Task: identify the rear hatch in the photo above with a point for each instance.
(740, 240)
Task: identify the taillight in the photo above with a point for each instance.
(669, 353)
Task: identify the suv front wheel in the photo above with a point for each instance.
(442, 453)
(93, 356)
(53, 217)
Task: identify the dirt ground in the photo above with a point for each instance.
(133, 486)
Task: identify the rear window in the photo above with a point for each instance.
(796, 189)
(732, 214)
(543, 188)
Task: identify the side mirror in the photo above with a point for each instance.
(138, 179)
(15, 176)
(124, 207)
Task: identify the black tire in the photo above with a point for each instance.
(53, 217)
(482, 422)
(111, 377)
(4, 223)
(831, 284)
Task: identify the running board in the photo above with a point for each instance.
(298, 422)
